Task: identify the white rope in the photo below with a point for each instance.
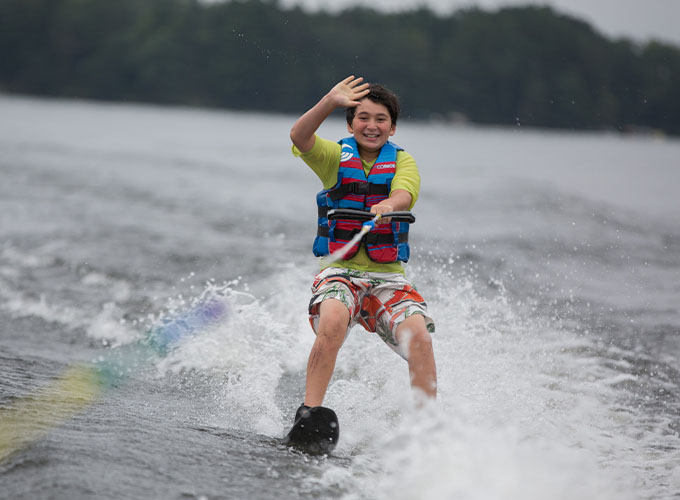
(341, 252)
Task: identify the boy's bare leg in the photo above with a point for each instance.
(413, 334)
(331, 332)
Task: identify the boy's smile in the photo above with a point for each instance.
(372, 127)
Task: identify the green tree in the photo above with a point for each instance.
(523, 64)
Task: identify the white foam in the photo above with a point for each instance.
(108, 326)
(21, 306)
(22, 259)
(119, 290)
(438, 456)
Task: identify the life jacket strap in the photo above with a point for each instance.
(385, 239)
(358, 188)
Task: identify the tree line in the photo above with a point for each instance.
(528, 65)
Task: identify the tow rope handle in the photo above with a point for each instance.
(361, 215)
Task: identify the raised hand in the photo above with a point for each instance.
(345, 94)
(349, 92)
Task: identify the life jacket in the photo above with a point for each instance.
(386, 242)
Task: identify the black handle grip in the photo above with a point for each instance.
(361, 215)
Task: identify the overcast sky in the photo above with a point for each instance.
(639, 20)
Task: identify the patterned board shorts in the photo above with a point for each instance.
(377, 301)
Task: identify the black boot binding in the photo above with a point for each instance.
(315, 431)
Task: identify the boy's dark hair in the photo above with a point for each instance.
(381, 95)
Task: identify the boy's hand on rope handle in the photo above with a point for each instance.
(382, 208)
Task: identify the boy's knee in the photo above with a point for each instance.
(414, 336)
(333, 316)
(332, 327)
(421, 340)
(328, 341)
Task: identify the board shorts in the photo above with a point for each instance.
(379, 302)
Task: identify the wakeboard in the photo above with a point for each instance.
(315, 431)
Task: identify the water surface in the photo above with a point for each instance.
(550, 262)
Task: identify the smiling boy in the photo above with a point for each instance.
(365, 171)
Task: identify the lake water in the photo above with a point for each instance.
(550, 262)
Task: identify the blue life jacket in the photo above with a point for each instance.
(386, 242)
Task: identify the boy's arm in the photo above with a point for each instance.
(346, 93)
(405, 187)
(399, 200)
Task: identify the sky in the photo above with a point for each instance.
(639, 20)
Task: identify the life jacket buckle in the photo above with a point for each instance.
(361, 188)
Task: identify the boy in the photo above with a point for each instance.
(368, 287)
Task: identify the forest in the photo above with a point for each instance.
(529, 66)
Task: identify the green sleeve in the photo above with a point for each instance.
(323, 159)
(407, 176)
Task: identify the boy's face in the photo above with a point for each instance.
(372, 126)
